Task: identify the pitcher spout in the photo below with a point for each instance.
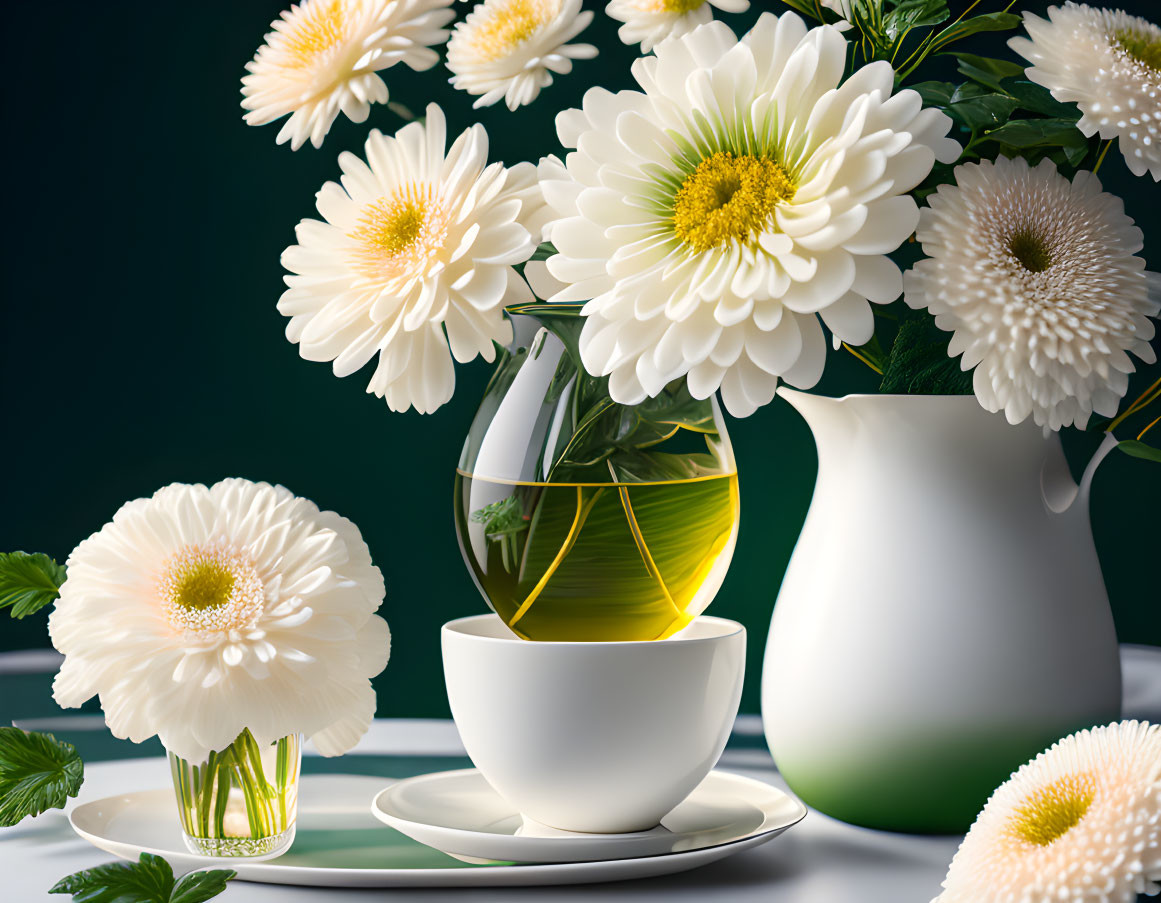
(1060, 492)
(820, 412)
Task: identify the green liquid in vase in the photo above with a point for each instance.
(598, 562)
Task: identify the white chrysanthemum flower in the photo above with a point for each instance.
(1080, 823)
(1109, 63)
(510, 48)
(415, 242)
(649, 22)
(1037, 279)
(712, 214)
(198, 613)
(323, 57)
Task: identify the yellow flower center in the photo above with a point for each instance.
(1030, 249)
(504, 26)
(1143, 46)
(320, 28)
(728, 198)
(680, 7)
(392, 225)
(398, 235)
(210, 588)
(1052, 811)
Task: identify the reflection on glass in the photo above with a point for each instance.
(583, 519)
(241, 801)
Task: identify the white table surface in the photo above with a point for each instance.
(819, 861)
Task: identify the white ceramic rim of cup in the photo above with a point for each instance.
(720, 628)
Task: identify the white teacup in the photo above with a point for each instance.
(595, 737)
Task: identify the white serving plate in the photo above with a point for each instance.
(339, 843)
(459, 813)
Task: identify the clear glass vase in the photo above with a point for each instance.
(242, 800)
(582, 519)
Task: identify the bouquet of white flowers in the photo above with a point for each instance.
(753, 198)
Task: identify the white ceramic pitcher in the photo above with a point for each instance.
(943, 617)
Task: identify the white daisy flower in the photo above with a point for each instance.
(415, 241)
(510, 48)
(1080, 823)
(1109, 63)
(323, 57)
(649, 22)
(198, 613)
(1037, 280)
(710, 215)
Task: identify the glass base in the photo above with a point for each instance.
(264, 847)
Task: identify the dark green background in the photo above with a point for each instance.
(141, 344)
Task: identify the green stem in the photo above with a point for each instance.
(254, 807)
(219, 776)
(1101, 158)
(208, 774)
(281, 769)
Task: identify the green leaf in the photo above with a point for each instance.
(935, 94)
(149, 880)
(501, 518)
(987, 71)
(1038, 99)
(37, 772)
(1025, 133)
(984, 112)
(28, 582)
(1139, 449)
(806, 7)
(197, 887)
(957, 31)
(919, 363)
(909, 14)
(543, 251)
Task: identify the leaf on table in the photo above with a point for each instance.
(198, 886)
(1139, 449)
(37, 772)
(149, 880)
(28, 582)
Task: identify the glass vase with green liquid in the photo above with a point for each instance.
(581, 519)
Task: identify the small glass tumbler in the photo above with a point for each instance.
(242, 800)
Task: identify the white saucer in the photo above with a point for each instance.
(459, 813)
(340, 844)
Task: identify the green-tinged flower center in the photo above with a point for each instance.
(680, 7)
(1030, 250)
(205, 584)
(728, 197)
(210, 588)
(1054, 810)
(1143, 46)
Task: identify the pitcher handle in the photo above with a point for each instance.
(1059, 492)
